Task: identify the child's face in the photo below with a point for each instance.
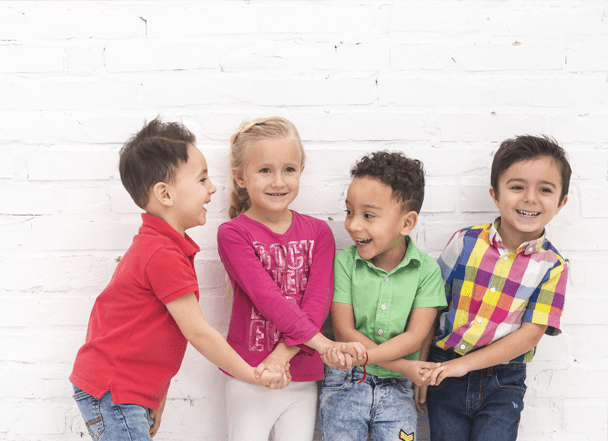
(528, 196)
(375, 222)
(192, 189)
(271, 175)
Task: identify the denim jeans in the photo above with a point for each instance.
(482, 405)
(107, 421)
(382, 407)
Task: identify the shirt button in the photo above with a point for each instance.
(479, 320)
(369, 265)
(380, 332)
(463, 347)
(383, 307)
(386, 280)
(492, 289)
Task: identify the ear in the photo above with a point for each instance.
(409, 221)
(561, 204)
(239, 178)
(494, 197)
(161, 192)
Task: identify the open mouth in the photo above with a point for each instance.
(276, 194)
(363, 241)
(528, 213)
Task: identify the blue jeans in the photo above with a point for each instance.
(382, 407)
(107, 421)
(482, 405)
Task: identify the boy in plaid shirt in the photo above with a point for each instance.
(505, 285)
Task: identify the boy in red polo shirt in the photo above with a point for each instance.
(141, 323)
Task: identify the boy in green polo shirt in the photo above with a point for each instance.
(386, 295)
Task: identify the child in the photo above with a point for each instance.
(142, 321)
(505, 285)
(386, 297)
(279, 264)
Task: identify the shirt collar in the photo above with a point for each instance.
(160, 227)
(530, 247)
(411, 255)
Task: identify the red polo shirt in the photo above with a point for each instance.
(133, 346)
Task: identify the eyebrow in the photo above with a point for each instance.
(552, 184)
(202, 173)
(366, 205)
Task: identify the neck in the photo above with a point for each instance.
(278, 222)
(390, 261)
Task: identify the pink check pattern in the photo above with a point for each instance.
(490, 291)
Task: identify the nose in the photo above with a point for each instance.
(212, 187)
(352, 225)
(530, 196)
(278, 180)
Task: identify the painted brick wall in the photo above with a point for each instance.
(445, 81)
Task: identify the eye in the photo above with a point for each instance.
(368, 216)
(265, 170)
(290, 170)
(204, 180)
(517, 187)
(546, 190)
(348, 212)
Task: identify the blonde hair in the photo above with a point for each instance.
(250, 132)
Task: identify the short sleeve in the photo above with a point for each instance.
(546, 304)
(171, 274)
(448, 261)
(430, 292)
(343, 266)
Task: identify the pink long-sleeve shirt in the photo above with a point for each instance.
(283, 287)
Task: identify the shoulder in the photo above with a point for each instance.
(347, 256)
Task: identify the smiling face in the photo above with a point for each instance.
(272, 178)
(191, 190)
(376, 222)
(528, 196)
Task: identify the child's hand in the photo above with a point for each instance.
(344, 355)
(332, 357)
(275, 380)
(418, 372)
(156, 415)
(273, 363)
(420, 397)
(452, 368)
(356, 350)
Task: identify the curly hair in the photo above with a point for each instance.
(527, 147)
(153, 155)
(405, 176)
(250, 132)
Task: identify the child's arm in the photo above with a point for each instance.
(420, 391)
(156, 415)
(501, 351)
(343, 321)
(189, 318)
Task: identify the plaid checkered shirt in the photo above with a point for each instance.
(491, 291)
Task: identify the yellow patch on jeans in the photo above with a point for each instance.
(405, 436)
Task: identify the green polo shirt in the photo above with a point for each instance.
(382, 301)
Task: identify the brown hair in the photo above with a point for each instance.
(151, 156)
(250, 132)
(527, 147)
(405, 176)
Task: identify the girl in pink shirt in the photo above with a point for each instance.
(279, 263)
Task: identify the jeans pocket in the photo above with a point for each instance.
(89, 408)
(511, 378)
(336, 378)
(405, 386)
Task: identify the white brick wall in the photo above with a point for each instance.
(445, 81)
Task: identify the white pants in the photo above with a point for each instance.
(252, 411)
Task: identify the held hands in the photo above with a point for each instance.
(344, 355)
(273, 372)
(418, 372)
(452, 368)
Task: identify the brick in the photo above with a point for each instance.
(587, 164)
(587, 272)
(582, 57)
(7, 163)
(77, 165)
(49, 346)
(592, 236)
(477, 199)
(589, 418)
(85, 60)
(594, 201)
(149, 56)
(84, 235)
(572, 383)
(306, 92)
(440, 198)
(31, 59)
(24, 199)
